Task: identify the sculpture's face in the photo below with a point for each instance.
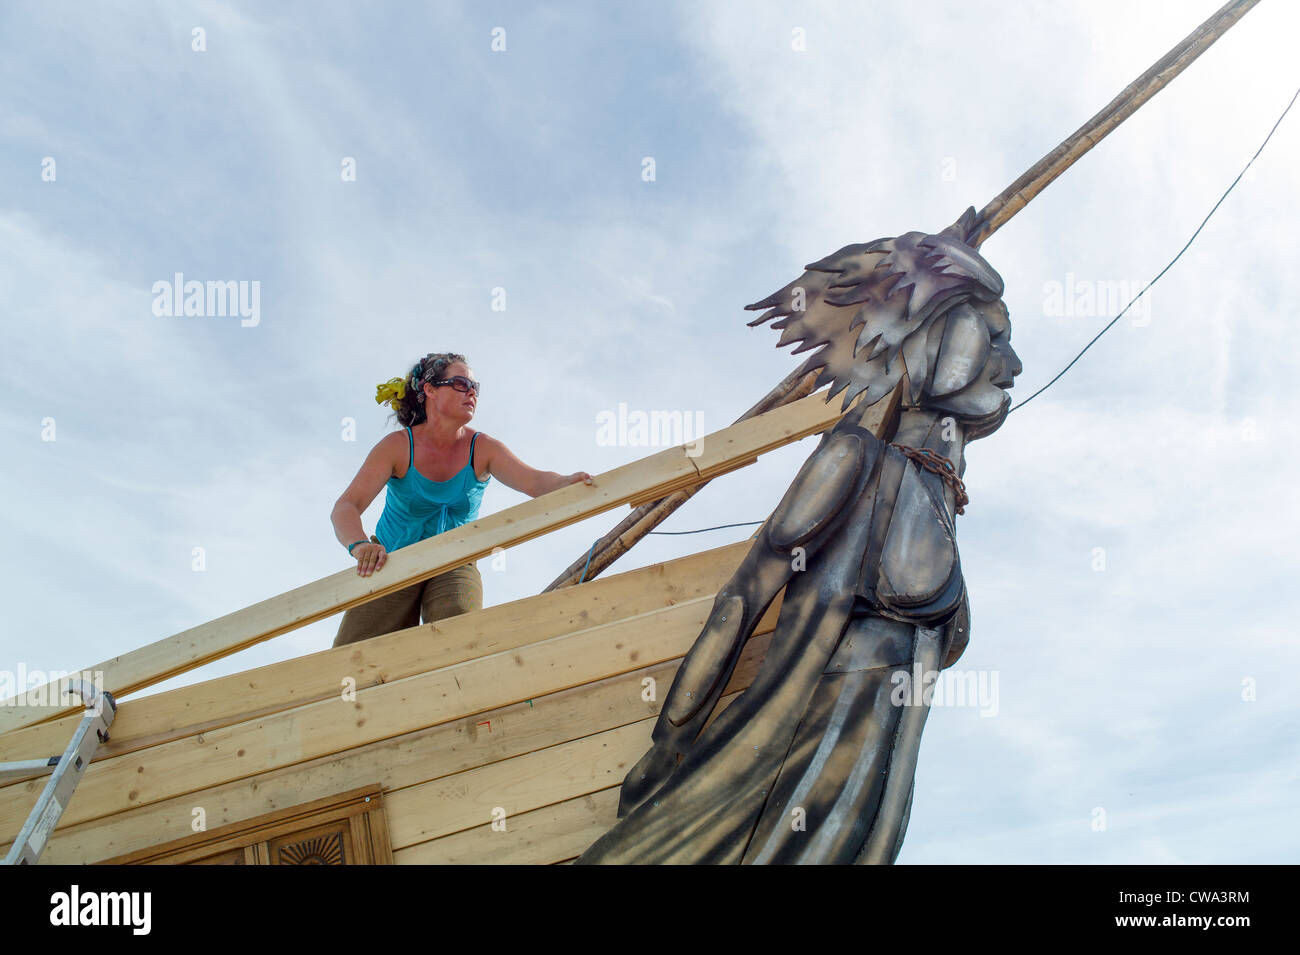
(999, 325)
(973, 366)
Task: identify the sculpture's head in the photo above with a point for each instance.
(929, 307)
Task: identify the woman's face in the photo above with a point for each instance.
(446, 402)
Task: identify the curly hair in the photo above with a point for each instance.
(409, 409)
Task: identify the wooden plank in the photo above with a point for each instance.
(732, 448)
(315, 601)
(279, 686)
(319, 729)
(395, 763)
(468, 800)
(540, 837)
(543, 836)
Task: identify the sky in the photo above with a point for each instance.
(1128, 548)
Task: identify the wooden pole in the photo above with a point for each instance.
(1017, 195)
(642, 520)
(992, 217)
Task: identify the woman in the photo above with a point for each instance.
(432, 470)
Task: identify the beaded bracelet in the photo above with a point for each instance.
(354, 544)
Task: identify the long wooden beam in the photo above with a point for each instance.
(1039, 176)
(656, 475)
(649, 515)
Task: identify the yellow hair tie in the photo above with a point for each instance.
(391, 391)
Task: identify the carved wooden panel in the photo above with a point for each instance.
(347, 829)
(324, 845)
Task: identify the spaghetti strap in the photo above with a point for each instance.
(417, 508)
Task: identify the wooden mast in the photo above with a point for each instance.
(1017, 195)
(988, 220)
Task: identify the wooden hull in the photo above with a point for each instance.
(500, 736)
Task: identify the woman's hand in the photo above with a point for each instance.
(370, 558)
(578, 476)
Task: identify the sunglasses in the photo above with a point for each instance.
(460, 383)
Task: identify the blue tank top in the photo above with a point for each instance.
(417, 508)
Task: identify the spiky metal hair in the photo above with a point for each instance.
(894, 289)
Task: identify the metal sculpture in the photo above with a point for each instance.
(997, 213)
(814, 762)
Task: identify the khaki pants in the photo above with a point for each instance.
(458, 591)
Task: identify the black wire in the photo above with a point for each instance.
(718, 528)
(1109, 324)
(1171, 262)
(587, 566)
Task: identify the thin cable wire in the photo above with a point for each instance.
(1171, 262)
(718, 528)
(1109, 324)
(698, 531)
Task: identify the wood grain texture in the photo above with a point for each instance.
(541, 837)
(549, 834)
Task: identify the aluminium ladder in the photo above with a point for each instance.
(68, 770)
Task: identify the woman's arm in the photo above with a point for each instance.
(365, 487)
(513, 473)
